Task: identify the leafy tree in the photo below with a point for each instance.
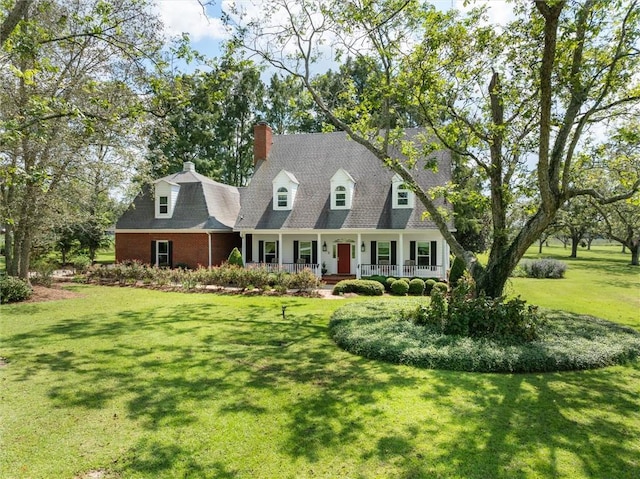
(499, 97)
(73, 71)
(575, 220)
(208, 119)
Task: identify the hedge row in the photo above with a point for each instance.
(222, 276)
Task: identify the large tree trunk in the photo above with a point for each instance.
(635, 253)
(575, 241)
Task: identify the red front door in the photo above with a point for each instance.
(344, 258)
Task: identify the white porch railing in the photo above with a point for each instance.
(406, 271)
(286, 267)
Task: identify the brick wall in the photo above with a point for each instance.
(191, 249)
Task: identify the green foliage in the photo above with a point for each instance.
(543, 268)
(13, 290)
(388, 282)
(43, 272)
(464, 314)
(457, 271)
(364, 287)
(386, 331)
(235, 258)
(440, 286)
(428, 286)
(81, 263)
(399, 288)
(226, 275)
(416, 287)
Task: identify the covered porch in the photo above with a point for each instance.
(421, 254)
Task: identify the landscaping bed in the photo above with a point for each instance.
(568, 341)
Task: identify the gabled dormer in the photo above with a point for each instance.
(166, 195)
(403, 197)
(285, 186)
(342, 188)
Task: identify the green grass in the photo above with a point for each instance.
(146, 384)
(599, 282)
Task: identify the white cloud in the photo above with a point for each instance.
(180, 16)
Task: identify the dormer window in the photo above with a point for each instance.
(403, 197)
(163, 205)
(342, 188)
(283, 197)
(285, 186)
(341, 196)
(166, 194)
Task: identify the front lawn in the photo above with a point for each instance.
(134, 383)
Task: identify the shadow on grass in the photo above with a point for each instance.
(169, 364)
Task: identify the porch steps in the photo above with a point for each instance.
(332, 279)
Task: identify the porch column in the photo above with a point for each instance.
(400, 255)
(358, 256)
(280, 251)
(319, 253)
(244, 248)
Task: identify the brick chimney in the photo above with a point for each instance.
(262, 141)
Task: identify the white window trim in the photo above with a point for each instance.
(343, 179)
(398, 186)
(158, 254)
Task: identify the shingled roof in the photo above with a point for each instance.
(202, 204)
(313, 159)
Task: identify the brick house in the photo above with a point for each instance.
(184, 219)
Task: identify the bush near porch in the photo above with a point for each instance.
(226, 275)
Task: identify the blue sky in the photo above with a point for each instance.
(207, 31)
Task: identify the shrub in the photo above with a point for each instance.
(399, 288)
(364, 287)
(440, 286)
(416, 287)
(13, 290)
(380, 279)
(81, 263)
(457, 271)
(428, 286)
(463, 314)
(304, 280)
(43, 273)
(544, 268)
(235, 258)
(388, 282)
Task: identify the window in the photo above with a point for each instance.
(270, 252)
(282, 197)
(163, 205)
(422, 253)
(403, 195)
(162, 253)
(341, 196)
(305, 251)
(384, 252)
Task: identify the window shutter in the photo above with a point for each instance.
(314, 252)
(278, 251)
(170, 254)
(261, 251)
(153, 254)
(296, 250)
(412, 250)
(433, 256)
(393, 252)
(374, 253)
(248, 243)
